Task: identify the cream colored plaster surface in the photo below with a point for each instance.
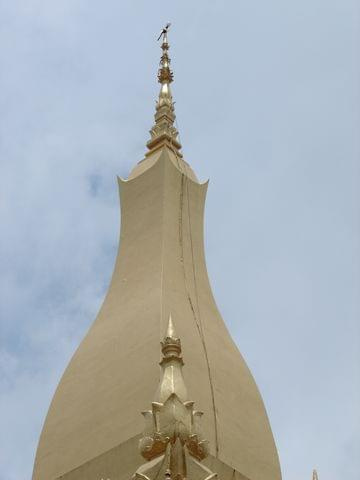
(112, 377)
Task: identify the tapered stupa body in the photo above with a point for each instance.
(93, 425)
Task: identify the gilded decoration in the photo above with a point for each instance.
(172, 441)
(164, 131)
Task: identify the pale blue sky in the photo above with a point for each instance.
(267, 101)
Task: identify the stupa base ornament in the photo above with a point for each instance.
(172, 441)
(165, 467)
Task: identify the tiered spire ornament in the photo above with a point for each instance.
(315, 475)
(164, 131)
(172, 441)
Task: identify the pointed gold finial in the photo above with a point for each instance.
(170, 332)
(164, 132)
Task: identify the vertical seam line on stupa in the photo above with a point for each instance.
(198, 325)
(200, 321)
(161, 326)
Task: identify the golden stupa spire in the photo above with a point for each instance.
(172, 441)
(164, 131)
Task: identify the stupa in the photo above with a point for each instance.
(94, 424)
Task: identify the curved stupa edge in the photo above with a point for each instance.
(162, 154)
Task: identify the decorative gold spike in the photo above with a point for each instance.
(164, 131)
(170, 332)
(172, 436)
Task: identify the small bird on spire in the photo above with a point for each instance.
(164, 31)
